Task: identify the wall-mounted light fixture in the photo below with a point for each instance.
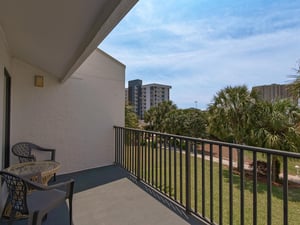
(38, 81)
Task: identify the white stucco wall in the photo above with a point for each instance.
(76, 117)
(4, 63)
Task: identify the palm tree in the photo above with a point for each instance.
(156, 115)
(229, 115)
(294, 88)
(275, 127)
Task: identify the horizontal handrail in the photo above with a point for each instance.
(238, 146)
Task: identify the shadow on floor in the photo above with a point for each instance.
(92, 178)
(177, 209)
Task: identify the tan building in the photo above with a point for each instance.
(152, 95)
(274, 92)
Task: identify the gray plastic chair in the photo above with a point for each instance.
(34, 199)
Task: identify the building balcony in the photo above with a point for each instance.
(112, 196)
(216, 182)
(166, 179)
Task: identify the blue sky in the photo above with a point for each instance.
(201, 46)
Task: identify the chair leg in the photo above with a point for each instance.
(11, 217)
(70, 211)
(35, 218)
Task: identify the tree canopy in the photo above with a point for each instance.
(131, 119)
(229, 114)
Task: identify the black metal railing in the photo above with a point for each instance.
(213, 180)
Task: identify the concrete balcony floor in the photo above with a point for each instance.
(111, 196)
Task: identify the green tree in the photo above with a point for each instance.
(173, 122)
(156, 115)
(131, 119)
(294, 88)
(188, 122)
(229, 114)
(275, 127)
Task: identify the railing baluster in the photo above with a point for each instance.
(170, 164)
(135, 152)
(180, 171)
(121, 156)
(195, 177)
(116, 145)
(122, 146)
(269, 189)
(148, 158)
(165, 165)
(285, 191)
(138, 157)
(142, 156)
(220, 185)
(156, 162)
(211, 182)
(175, 169)
(188, 177)
(254, 174)
(230, 187)
(203, 179)
(130, 150)
(242, 186)
(152, 160)
(160, 163)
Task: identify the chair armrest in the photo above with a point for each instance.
(48, 150)
(68, 185)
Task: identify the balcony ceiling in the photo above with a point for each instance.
(57, 36)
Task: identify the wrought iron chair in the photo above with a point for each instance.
(24, 152)
(36, 204)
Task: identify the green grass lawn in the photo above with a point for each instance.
(157, 167)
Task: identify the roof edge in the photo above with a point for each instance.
(120, 11)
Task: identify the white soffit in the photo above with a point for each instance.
(58, 35)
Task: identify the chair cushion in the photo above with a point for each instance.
(44, 201)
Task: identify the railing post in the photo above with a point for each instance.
(116, 143)
(138, 158)
(188, 176)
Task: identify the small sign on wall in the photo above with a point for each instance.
(38, 81)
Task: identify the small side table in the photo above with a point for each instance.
(47, 169)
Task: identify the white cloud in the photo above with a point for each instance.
(200, 55)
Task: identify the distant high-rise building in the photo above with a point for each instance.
(143, 97)
(135, 94)
(152, 94)
(274, 92)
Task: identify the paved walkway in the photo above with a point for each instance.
(292, 178)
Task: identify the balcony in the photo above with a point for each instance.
(112, 196)
(156, 182)
(219, 183)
